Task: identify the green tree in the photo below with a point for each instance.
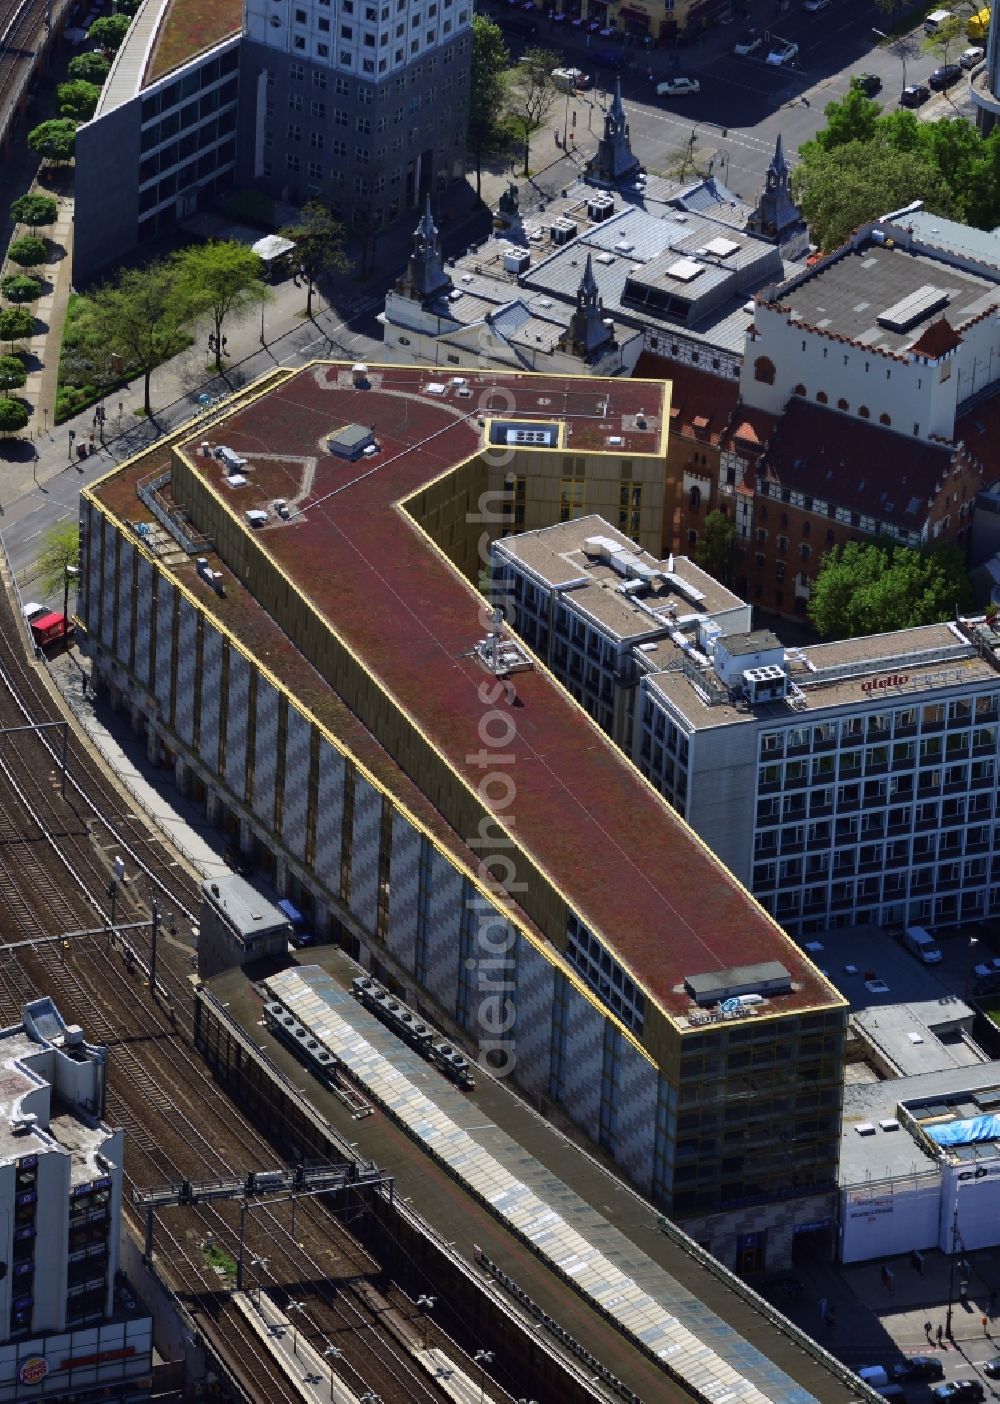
(109, 31)
(488, 133)
(853, 118)
(220, 279)
(92, 68)
(869, 589)
(60, 549)
(54, 140)
(12, 373)
(18, 287)
(34, 210)
(319, 245)
(530, 95)
(715, 549)
(842, 189)
(28, 252)
(13, 415)
(143, 318)
(16, 324)
(78, 99)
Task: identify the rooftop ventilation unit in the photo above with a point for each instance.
(502, 656)
(22, 1123)
(516, 260)
(563, 230)
(684, 270)
(767, 684)
(600, 208)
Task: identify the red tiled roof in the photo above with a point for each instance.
(939, 338)
(647, 885)
(855, 464)
(700, 403)
(979, 430)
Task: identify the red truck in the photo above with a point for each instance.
(47, 629)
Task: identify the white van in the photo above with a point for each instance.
(936, 19)
(921, 944)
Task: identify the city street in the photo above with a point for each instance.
(752, 101)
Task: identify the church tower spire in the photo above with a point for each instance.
(587, 333)
(425, 276)
(613, 160)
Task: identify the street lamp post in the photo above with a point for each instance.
(427, 1304)
(70, 572)
(259, 1264)
(296, 1307)
(881, 34)
(483, 1358)
(332, 1353)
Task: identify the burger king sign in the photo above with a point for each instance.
(33, 1370)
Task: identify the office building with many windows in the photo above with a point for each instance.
(61, 1333)
(843, 783)
(363, 105)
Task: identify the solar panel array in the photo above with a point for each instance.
(661, 1316)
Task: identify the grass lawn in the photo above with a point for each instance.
(191, 26)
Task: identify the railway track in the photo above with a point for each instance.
(178, 1122)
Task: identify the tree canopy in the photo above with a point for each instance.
(16, 324)
(54, 140)
(92, 68)
(715, 548)
(319, 245)
(871, 589)
(488, 132)
(530, 95)
(109, 31)
(220, 279)
(863, 164)
(28, 252)
(78, 99)
(13, 415)
(18, 287)
(12, 373)
(60, 549)
(141, 317)
(34, 210)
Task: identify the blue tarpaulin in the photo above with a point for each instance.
(291, 912)
(963, 1133)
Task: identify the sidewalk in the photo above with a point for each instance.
(50, 313)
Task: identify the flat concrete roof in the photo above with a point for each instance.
(650, 888)
(846, 296)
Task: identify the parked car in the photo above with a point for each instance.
(959, 1392)
(676, 87)
(992, 1368)
(869, 83)
(972, 56)
(747, 43)
(944, 76)
(914, 95)
(918, 1367)
(783, 53)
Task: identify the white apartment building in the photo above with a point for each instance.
(899, 327)
(842, 783)
(60, 1194)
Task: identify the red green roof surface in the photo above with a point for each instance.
(626, 862)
